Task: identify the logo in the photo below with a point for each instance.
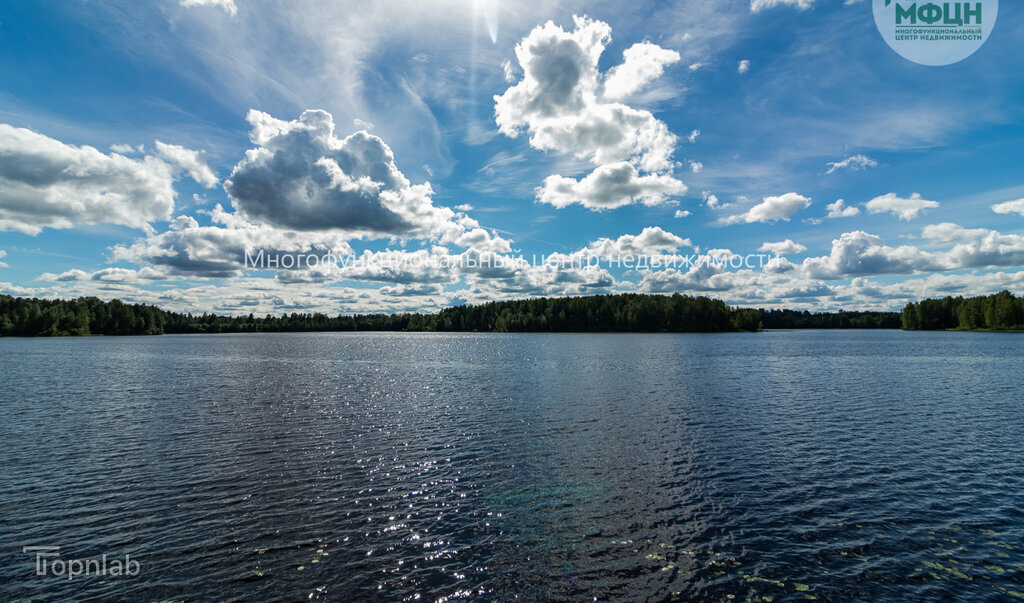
(50, 563)
(935, 33)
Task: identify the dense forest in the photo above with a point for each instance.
(793, 319)
(599, 313)
(1000, 312)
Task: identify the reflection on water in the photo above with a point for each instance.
(782, 465)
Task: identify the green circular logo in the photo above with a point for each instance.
(935, 33)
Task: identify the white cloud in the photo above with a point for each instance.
(854, 163)
(1015, 207)
(978, 247)
(695, 66)
(779, 265)
(412, 290)
(106, 275)
(906, 209)
(227, 6)
(783, 248)
(479, 239)
(947, 232)
(757, 6)
(642, 63)
(3, 254)
(861, 254)
(510, 71)
(682, 213)
(609, 186)
(744, 66)
(652, 241)
(696, 167)
(839, 209)
(712, 202)
(300, 176)
(693, 136)
(771, 209)
(188, 160)
(563, 106)
(464, 207)
(45, 183)
(187, 248)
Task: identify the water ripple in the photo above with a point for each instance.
(779, 466)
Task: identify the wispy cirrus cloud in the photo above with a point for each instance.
(853, 163)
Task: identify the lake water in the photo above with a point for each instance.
(863, 465)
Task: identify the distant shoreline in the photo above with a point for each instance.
(618, 313)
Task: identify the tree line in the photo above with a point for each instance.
(1000, 312)
(627, 312)
(795, 319)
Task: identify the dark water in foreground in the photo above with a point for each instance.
(837, 465)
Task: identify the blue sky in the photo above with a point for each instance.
(412, 138)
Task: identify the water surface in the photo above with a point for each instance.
(787, 465)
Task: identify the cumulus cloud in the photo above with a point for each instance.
(232, 245)
(693, 136)
(423, 266)
(905, 209)
(227, 6)
(682, 213)
(609, 186)
(978, 247)
(839, 209)
(861, 254)
(642, 63)
(566, 105)
(744, 66)
(188, 160)
(651, 241)
(1010, 207)
(712, 202)
(783, 248)
(757, 6)
(771, 209)
(3, 254)
(304, 192)
(45, 183)
(779, 265)
(412, 290)
(107, 275)
(547, 279)
(481, 240)
(707, 273)
(300, 176)
(853, 164)
(948, 232)
(858, 253)
(219, 250)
